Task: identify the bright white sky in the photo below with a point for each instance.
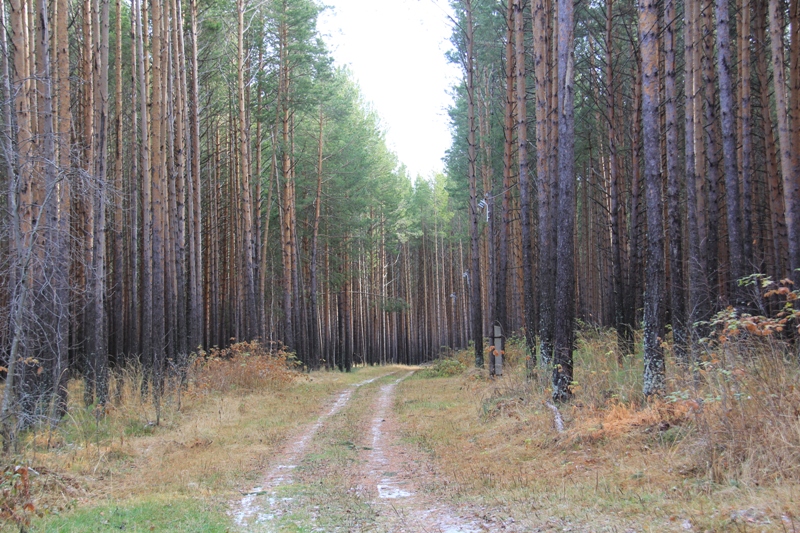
(395, 50)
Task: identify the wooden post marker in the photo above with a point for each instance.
(498, 350)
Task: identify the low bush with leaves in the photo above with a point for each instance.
(745, 395)
(16, 503)
(443, 368)
(244, 366)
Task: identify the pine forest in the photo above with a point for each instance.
(182, 178)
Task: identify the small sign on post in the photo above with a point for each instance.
(498, 350)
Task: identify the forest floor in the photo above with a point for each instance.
(389, 449)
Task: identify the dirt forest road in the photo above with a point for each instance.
(349, 471)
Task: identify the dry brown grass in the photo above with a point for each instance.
(239, 407)
(719, 450)
(244, 367)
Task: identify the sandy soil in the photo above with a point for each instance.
(257, 505)
(391, 476)
(389, 479)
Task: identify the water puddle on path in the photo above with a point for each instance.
(401, 508)
(257, 504)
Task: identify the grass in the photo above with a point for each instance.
(190, 516)
(718, 453)
(209, 447)
(323, 495)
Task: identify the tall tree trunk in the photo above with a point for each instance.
(61, 251)
(148, 344)
(118, 292)
(158, 226)
(790, 169)
(99, 341)
(745, 118)
(616, 242)
(732, 194)
(180, 180)
(563, 330)
(546, 189)
(475, 269)
(195, 209)
(654, 378)
(633, 299)
(12, 177)
(776, 203)
(501, 306)
(697, 275)
(246, 201)
(54, 310)
(524, 181)
(714, 221)
(678, 305)
(315, 341)
(703, 216)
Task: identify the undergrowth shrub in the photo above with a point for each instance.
(744, 392)
(16, 504)
(443, 368)
(604, 376)
(244, 366)
(733, 412)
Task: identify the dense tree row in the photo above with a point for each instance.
(182, 175)
(674, 176)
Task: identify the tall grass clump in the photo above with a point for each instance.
(730, 414)
(69, 458)
(744, 394)
(244, 366)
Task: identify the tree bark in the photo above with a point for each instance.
(774, 186)
(714, 220)
(246, 200)
(546, 181)
(616, 244)
(745, 120)
(501, 305)
(677, 300)
(99, 340)
(697, 275)
(732, 190)
(790, 169)
(475, 269)
(654, 377)
(563, 330)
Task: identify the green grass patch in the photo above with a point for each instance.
(442, 368)
(144, 516)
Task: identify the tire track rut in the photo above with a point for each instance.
(389, 481)
(256, 505)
